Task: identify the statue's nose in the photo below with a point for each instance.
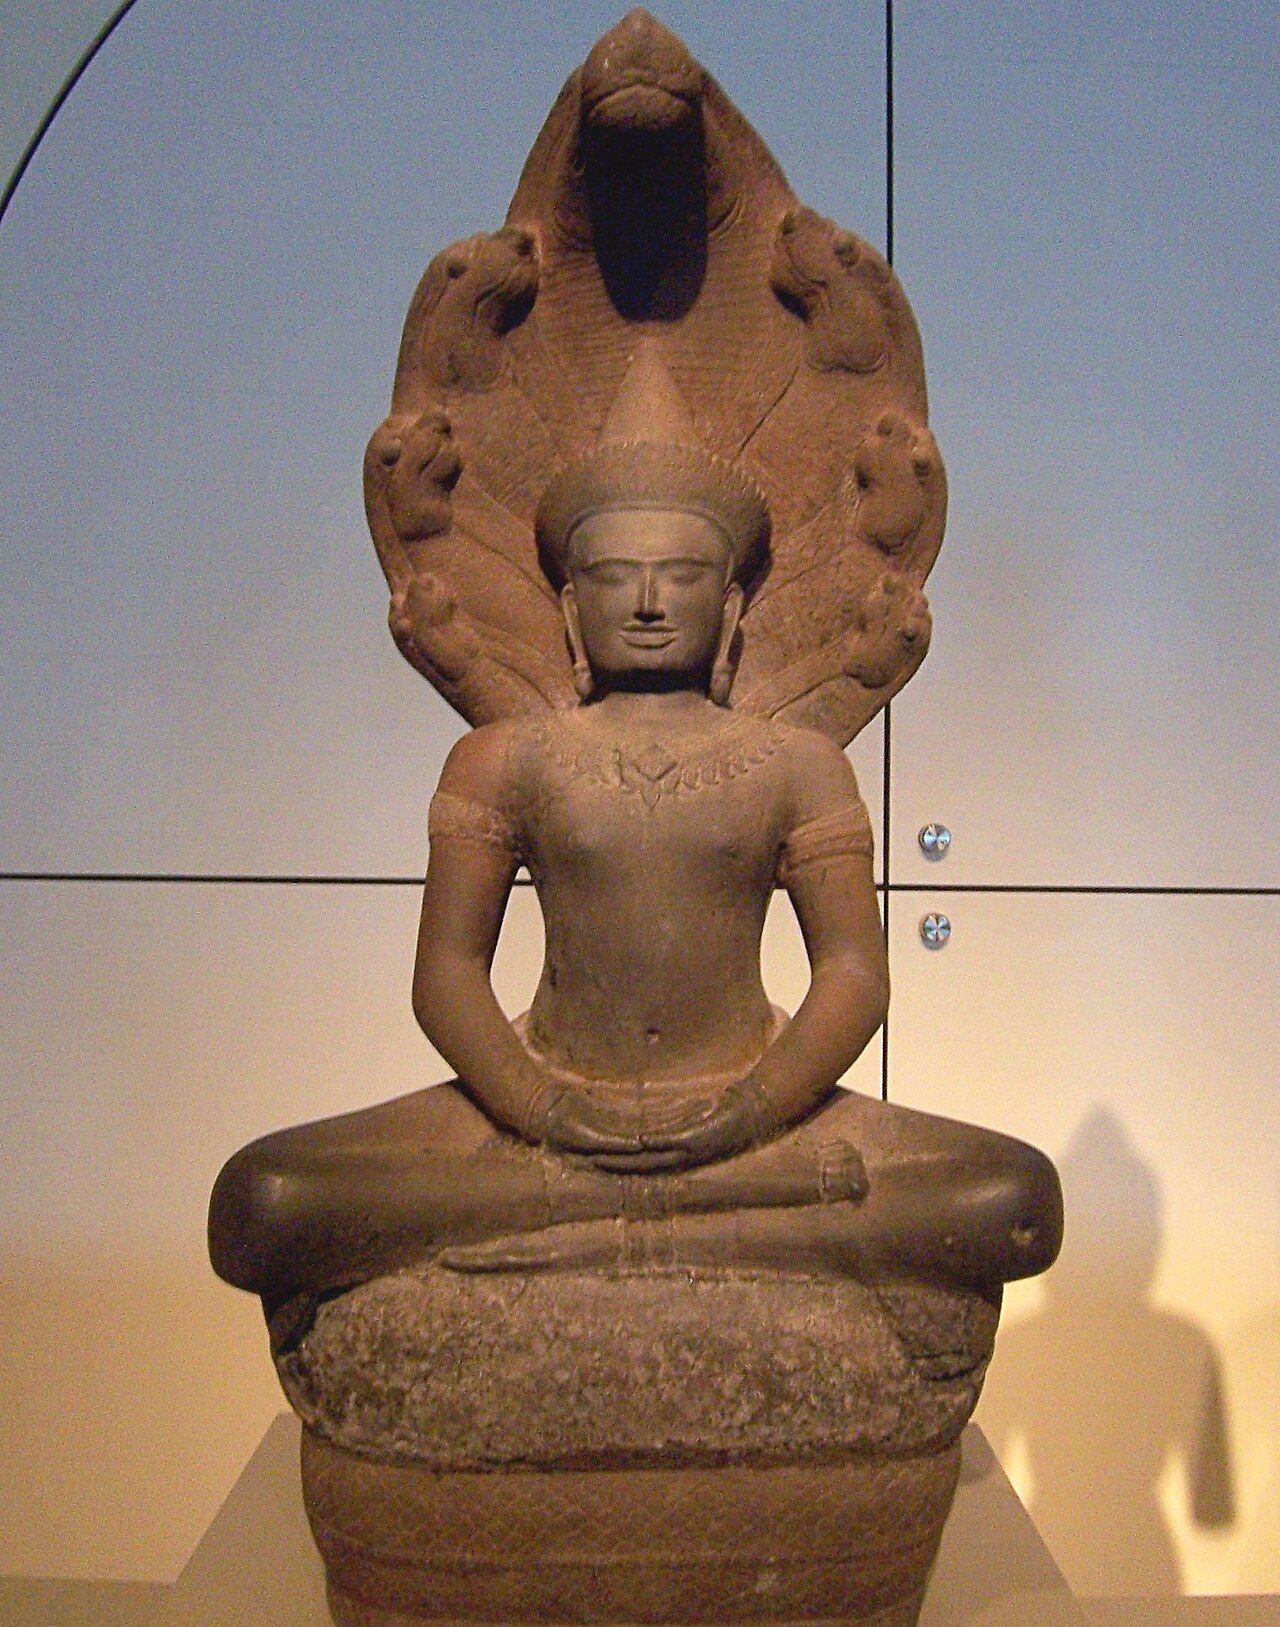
(648, 607)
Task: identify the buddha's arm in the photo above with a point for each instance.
(474, 857)
(825, 866)
(835, 901)
(467, 887)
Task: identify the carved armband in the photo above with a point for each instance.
(468, 821)
(848, 830)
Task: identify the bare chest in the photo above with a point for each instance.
(709, 812)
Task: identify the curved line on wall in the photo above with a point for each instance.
(55, 107)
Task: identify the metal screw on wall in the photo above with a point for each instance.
(934, 841)
(935, 929)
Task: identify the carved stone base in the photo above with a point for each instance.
(848, 1542)
(661, 1369)
(667, 1447)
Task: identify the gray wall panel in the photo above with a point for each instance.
(1087, 222)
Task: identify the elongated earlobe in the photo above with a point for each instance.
(583, 682)
(722, 667)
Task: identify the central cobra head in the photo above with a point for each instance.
(640, 77)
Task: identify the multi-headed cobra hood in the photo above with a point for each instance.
(652, 236)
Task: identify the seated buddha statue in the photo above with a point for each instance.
(651, 1082)
(642, 1316)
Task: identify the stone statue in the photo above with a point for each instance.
(655, 501)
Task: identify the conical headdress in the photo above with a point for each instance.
(648, 457)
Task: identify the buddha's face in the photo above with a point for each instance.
(647, 596)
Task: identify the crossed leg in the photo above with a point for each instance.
(861, 1188)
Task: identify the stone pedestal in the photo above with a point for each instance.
(661, 1447)
(849, 1542)
(258, 1563)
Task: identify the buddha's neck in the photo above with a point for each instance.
(626, 707)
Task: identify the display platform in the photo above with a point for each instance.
(1062, 1610)
(29, 1601)
(256, 1567)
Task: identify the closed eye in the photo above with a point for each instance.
(610, 575)
(689, 575)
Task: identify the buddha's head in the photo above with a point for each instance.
(651, 540)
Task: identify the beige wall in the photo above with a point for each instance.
(1128, 1396)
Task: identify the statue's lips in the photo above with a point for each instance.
(648, 638)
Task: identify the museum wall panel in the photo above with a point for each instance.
(1086, 223)
(1085, 218)
(40, 45)
(1135, 1040)
(211, 269)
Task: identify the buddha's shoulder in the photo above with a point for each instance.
(803, 745)
(512, 752)
(789, 736)
(479, 765)
(819, 773)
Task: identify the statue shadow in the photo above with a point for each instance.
(1099, 1390)
(1254, 1356)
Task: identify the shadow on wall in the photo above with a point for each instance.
(1100, 1388)
(1253, 1357)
